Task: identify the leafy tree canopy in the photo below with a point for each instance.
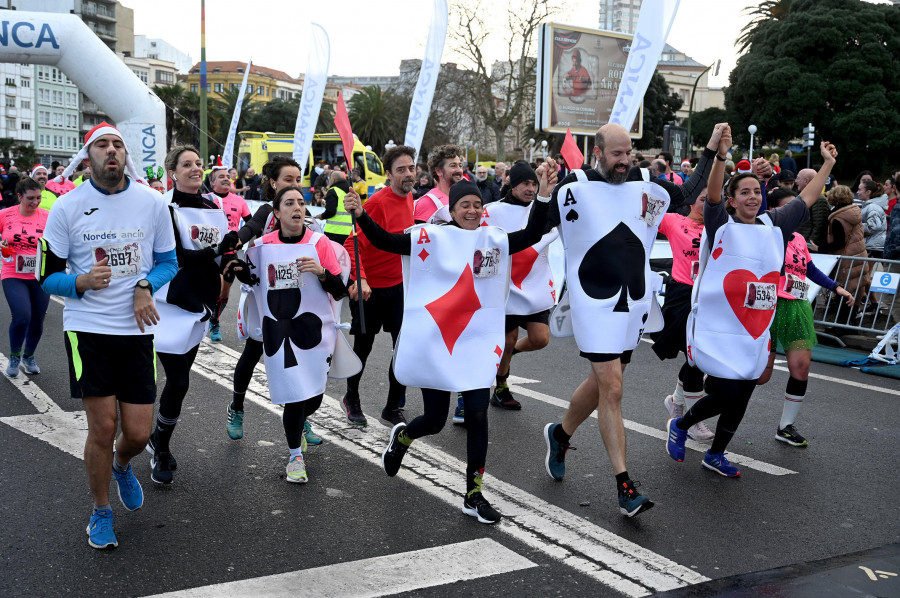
(659, 108)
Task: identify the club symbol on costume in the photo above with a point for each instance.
(615, 264)
(303, 330)
(572, 216)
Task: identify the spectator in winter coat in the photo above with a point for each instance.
(874, 219)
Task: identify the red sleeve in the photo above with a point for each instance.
(348, 245)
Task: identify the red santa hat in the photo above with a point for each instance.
(36, 168)
(90, 137)
(743, 166)
(685, 161)
(218, 165)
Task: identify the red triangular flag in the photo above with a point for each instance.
(570, 152)
(342, 124)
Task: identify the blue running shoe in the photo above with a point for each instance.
(30, 366)
(676, 439)
(215, 335)
(130, 492)
(310, 436)
(12, 369)
(234, 425)
(459, 416)
(100, 530)
(632, 502)
(719, 464)
(556, 453)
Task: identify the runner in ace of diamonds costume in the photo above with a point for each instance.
(456, 283)
(608, 219)
(734, 301)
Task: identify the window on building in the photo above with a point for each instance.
(43, 118)
(10, 101)
(44, 96)
(57, 120)
(25, 82)
(194, 87)
(71, 121)
(220, 87)
(71, 100)
(26, 104)
(57, 97)
(235, 86)
(260, 90)
(142, 76)
(26, 126)
(58, 141)
(10, 123)
(73, 142)
(165, 77)
(54, 75)
(11, 81)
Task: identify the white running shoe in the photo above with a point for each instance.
(296, 471)
(673, 409)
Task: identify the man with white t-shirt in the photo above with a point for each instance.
(116, 238)
(446, 166)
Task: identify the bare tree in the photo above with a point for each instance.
(499, 94)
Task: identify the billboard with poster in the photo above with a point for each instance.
(578, 76)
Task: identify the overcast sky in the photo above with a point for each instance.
(370, 37)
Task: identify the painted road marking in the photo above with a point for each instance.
(605, 557)
(889, 391)
(637, 427)
(66, 430)
(380, 576)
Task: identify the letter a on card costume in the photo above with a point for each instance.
(733, 301)
(608, 231)
(456, 284)
(532, 281)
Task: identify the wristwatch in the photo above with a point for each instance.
(144, 284)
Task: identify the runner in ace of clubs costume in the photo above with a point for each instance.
(451, 340)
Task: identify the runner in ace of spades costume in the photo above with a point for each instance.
(451, 338)
(734, 301)
(609, 281)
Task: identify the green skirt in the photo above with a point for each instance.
(792, 328)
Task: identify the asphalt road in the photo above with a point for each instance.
(230, 518)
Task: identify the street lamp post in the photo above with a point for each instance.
(530, 149)
(752, 130)
(691, 108)
(544, 148)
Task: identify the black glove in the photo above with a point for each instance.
(241, 270)
(229, 242)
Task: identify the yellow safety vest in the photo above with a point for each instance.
(48, 198)
(340, 223)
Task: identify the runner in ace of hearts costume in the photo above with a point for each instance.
(734, 302)
(456, 280)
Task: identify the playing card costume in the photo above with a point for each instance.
(455, 284)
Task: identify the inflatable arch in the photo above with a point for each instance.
(64, 41)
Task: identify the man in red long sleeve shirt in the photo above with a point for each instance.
(380, 279)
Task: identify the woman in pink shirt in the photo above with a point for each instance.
(21, 227)
(684, 234)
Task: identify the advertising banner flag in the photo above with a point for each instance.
(229, 143)
(313, 92)
(428, 75)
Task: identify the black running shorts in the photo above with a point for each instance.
(384, 309)
(602, 357)
(103, 365)
(513, 322)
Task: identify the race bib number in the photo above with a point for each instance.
(761, 295)
(486, 262)
(284, 275)
(205, 236)
(652, 209)
(25, 264)
(124, 258)
(796, 287)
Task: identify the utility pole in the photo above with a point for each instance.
(204, 145)
(809, 135)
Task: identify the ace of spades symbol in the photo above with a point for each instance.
(614, 265)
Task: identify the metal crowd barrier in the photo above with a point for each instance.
(876, 309)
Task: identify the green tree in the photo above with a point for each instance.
(841, 75)
(703, 122)
(173, 97)
(25, 156)
(762, 13)
(377, 116)
(225, 103)
(660, 106)
(6, 144)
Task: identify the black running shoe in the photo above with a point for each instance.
(791, 436)
(476, 505)
(161, 463)
(395, 417)
(503, 398)
(354, 410)
(632, 502)
(393, 453)
(151, 448)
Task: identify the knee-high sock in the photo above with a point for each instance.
(793, 400)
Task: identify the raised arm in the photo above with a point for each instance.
(400, 243)
(717, 172)
(811, 192)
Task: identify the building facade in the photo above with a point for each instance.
(265, 83)
(159, 49)
(57, 102)
(17, 107)
(619, 15)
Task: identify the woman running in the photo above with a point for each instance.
(278, 173)
(734, 301)
(20, 228)
(792, 329)
(299, 401)
(187, 301)
(465, 210)
(683, 233)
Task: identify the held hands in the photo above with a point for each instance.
(353, 290)
(308, 264)
(144, 309)
(352, 203)
(548, 175)
(716, 137)
(725, 142)
(829, 152)
(230, 242)
(762, 168)
(239, 269)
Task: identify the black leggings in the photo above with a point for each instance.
(243, 371)
(362, 346)
(691, 378)
(178, 380)
(437, 407)
(726, 398)
(294, 417)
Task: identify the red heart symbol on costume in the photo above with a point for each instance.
(717, 253)
(755, 321)
(522, 263)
